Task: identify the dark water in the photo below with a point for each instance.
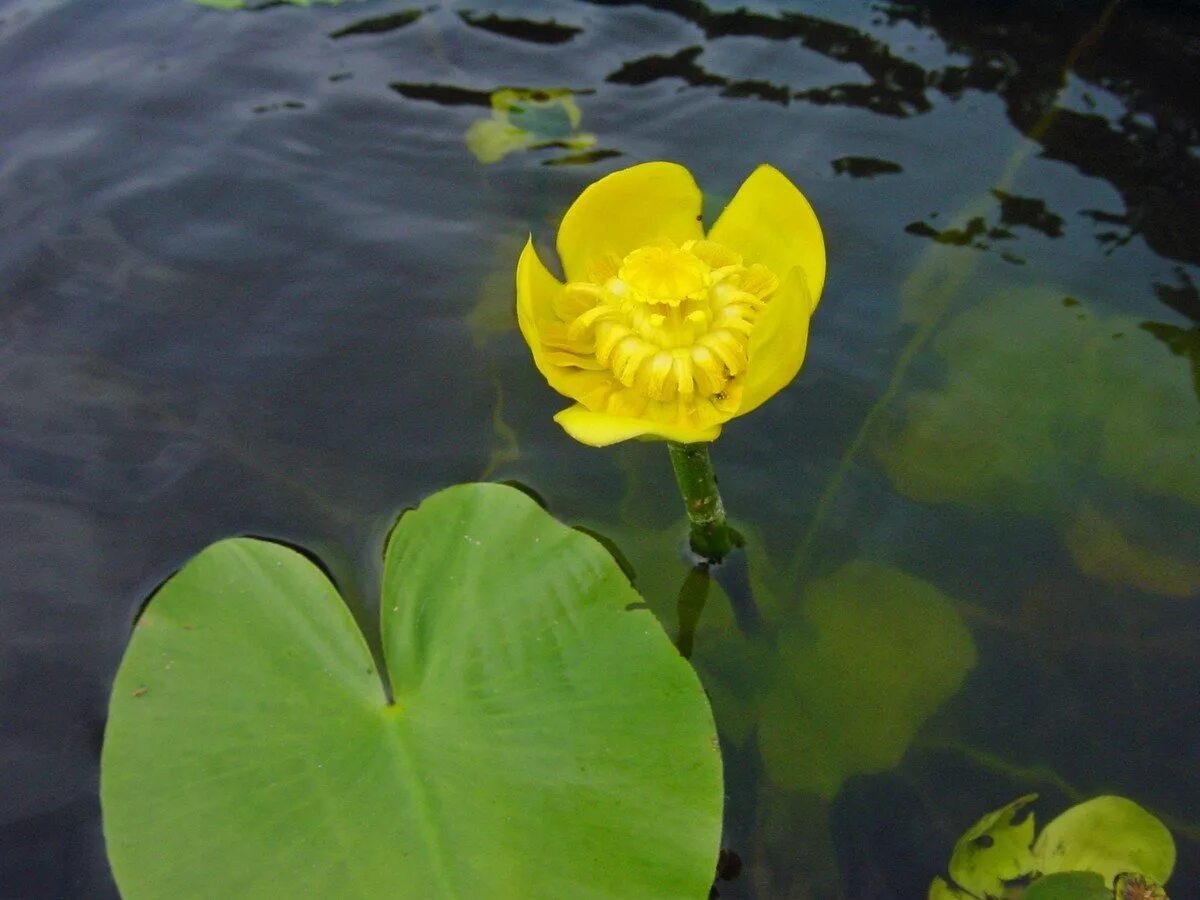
(253, 281)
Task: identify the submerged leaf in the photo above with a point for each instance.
(1103, 552)
(879, 652)
(546, 740)
(1047, 407)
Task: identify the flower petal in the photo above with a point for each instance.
(778, 341)
(769, 221)
(629, 209)
(602, 429)
(537, 291)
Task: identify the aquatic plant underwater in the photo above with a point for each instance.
(524, 727)
(518, 723)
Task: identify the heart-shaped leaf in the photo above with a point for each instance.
(1108, 835)
(995, 850)
(546, 740)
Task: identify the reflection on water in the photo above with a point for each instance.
(971, 523)
(865, 166)
(379, 24)
(529, 120)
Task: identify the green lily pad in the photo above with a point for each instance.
(994, 850)
(1088, 847)
(546, 740)
(877, 653)
(524, 119)
(1069, 886)
(1107, 835)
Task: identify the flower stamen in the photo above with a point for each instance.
(671, 323)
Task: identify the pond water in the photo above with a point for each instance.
(254, 278)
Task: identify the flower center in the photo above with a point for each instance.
(664, 275)
(670, 323)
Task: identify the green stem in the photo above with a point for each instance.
(711, 537)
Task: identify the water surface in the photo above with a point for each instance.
(253, 280)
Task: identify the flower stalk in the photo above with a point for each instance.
(711, 536)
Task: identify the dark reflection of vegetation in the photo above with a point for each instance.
(956, 237)
(897, 86)
(380, 24)
(251, 6)
(1016, 50)
(975, 234)
(683, 66)
(1184, 299)
(693, 594)
(864, 166)
(581, 159)
(1183, 342)
(442, 94)
(275, 107)
(1015, 211)
(1113, 239)
(1146, 56)
(733, 575)
(522, 29)
(1029, 212)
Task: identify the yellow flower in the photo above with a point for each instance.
(661, 331)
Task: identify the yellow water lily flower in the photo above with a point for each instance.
(661, 331)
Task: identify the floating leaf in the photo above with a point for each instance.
(1074, 858)
(1107, 835)
(525, 120)
(1069, 886)
(546, 740)
(994, 850)
(878, 653)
